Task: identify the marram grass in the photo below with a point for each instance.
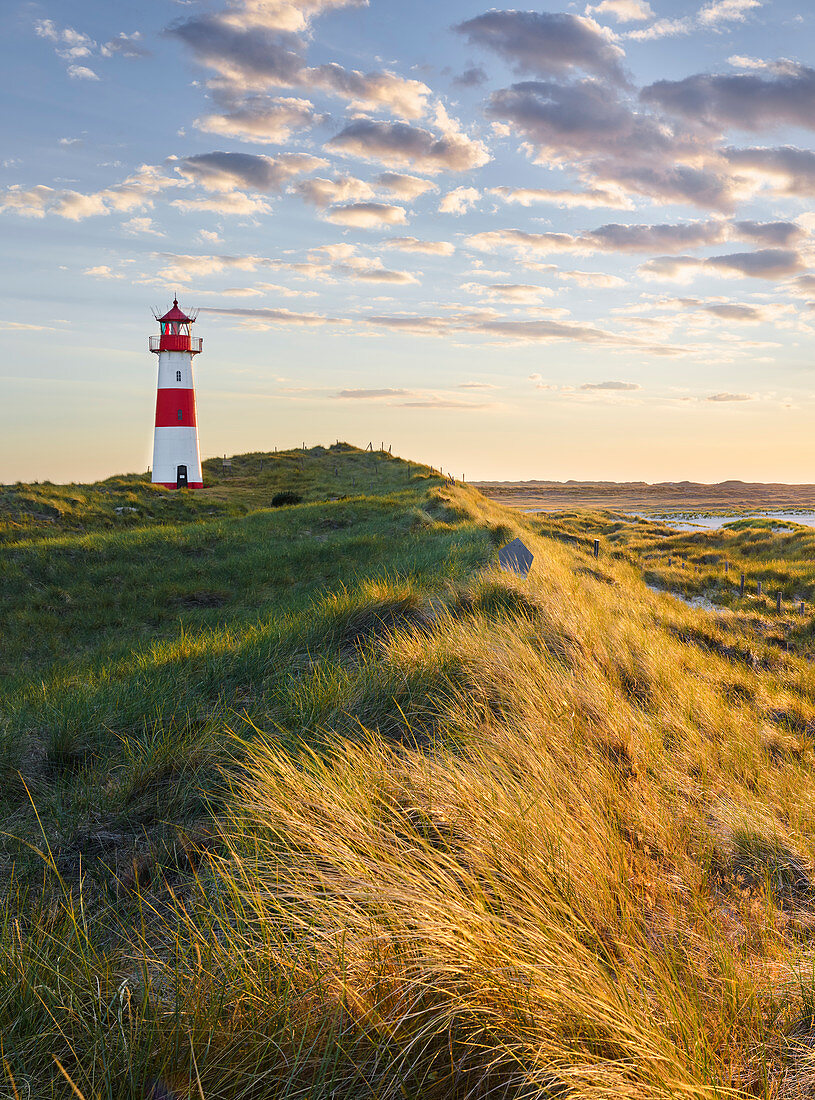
(419, 829)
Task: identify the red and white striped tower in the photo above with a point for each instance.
(176, 459)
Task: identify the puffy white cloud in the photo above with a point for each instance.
(136, 226)
(125, 45)
(402, 186)
(459, 201)
(785, 169)
(730, 397)
(323, 192)
(611, 197)
(726, 11)
(261, 119)
(547, 43)
(228, 171)
(81, 72)
(765, 263)
(397, 143)
(624, 11)
(137, 190)
(252, 51)
(232, 203)
(413, 244)
(366, 215)
(514, 293)
(747, 101)
(103, 271)
(182, 268)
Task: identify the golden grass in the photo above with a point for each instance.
(557, 841)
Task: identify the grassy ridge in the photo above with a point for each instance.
(385, 822)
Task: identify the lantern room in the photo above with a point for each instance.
(175, 332)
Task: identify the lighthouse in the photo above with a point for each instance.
(176, 459)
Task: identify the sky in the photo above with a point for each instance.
(569, 242)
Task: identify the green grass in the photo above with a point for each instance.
(313, 801)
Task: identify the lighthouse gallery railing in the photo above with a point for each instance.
(176, 343)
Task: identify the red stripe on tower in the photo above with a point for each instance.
(175, 407)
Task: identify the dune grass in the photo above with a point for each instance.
(387, 822)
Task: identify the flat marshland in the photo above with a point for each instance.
(312, 801)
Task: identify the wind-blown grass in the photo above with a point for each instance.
(417, 829)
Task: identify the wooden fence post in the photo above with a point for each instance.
(597, 548)
(778, 602)
(741, 585)
(758, 588)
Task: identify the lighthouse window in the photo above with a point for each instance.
(178, 376)
(180, 415)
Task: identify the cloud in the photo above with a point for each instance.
(730, 397)
(766, 263)
(488, 323)
(516, 293)
(723, 11)
(253, 50)
(70, 44)
(624, 11)
(125, 45)
(470, 78)
(265, 318)
(261, 119)
(459, 201)
(136, 190)
(182, 267)
(323, 192)
(747, 101)
(581, 278)
(396, 143)
(665, 238)
(81, 72)
(620, 386)
(774, 234)
(444, 403)
(615, 147)
(607, 238)
(547, 43)
(403, 186)
(785, 169)
(365, 395)
(229, 203)
(135, 226)
(413, 244)
(103, 271)
(366, 215)
(228, 171)
(613, 197)
(710, 17)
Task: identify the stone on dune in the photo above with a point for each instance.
(516, 557)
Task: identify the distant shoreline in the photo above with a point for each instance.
(623, 496)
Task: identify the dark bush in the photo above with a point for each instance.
(286, 497)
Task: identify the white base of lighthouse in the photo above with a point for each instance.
(174, 447)
(176, 457)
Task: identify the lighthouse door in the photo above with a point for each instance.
(181, 477)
